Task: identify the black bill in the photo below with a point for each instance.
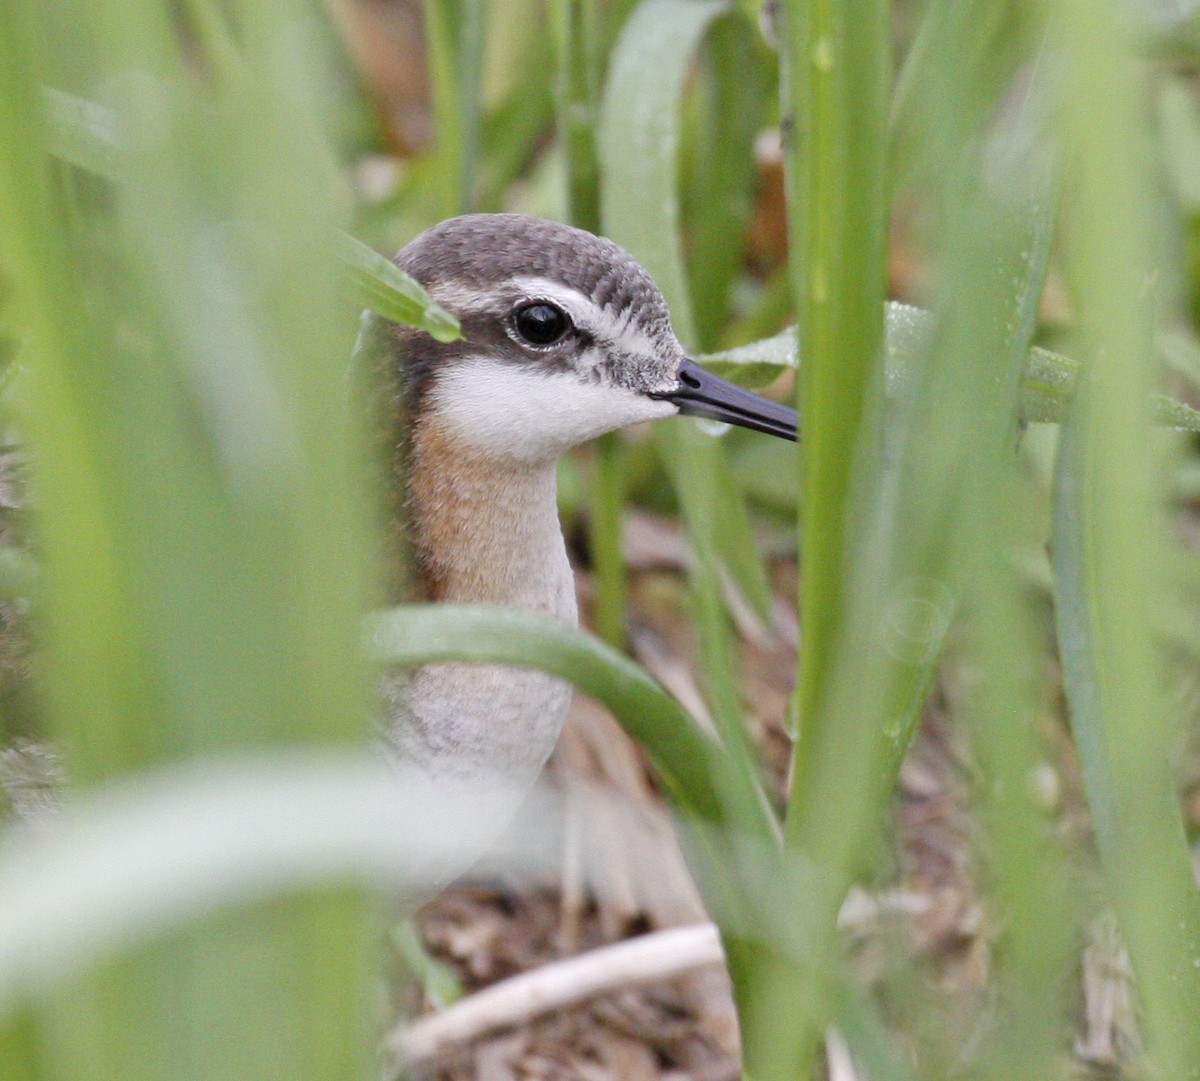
(702, 394)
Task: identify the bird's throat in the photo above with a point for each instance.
(486, 530)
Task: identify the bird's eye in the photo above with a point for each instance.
(541, 323)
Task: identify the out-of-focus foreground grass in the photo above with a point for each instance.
(203, 538)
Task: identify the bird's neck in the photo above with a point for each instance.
(487, 531)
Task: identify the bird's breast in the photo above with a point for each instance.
(486, 533)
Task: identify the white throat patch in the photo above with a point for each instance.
(530, 415)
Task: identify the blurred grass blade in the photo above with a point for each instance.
(837, 60)
(199, 512)
(700, 775)
(389, 291)
(241, 828)
(1047, 378)
(79, 532)
(19, 575)
(1110, 676)
(1005, 222)
(1172, 413)
(1108, 546)
(94, 881)
(607, 499)
(83, 133)
(720, 171)
(1037, 960)
(87, 135)
(981, 36)
(639, 143)
(911, 551)
(454, 32)
(578, 33)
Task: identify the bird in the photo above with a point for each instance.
(565, 337)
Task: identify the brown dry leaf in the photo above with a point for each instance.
(654, 542)
(1110, 1026)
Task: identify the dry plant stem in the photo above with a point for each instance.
(662, 955)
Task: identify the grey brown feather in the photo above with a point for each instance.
(470, 264)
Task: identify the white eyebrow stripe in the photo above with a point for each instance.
(460, 296)
(456, 295)
(588, 315)
(582, 309)
(620, 330)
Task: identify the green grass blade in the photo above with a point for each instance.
(639, 143)
(607, 499)
(1047, 378)
(837, 60)
(454, 36)
(1107, 548)
(577, 33)
(720, 170)
(199, 520)
(79, 532)
(980, 36)
(701, 777)
(1006, 222)
(1109, 671)
(385, 288)
(911, 549)
(87, 135)
(834, 91)
(1036, 956)
(577, 27)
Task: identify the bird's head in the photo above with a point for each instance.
(565, 337)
